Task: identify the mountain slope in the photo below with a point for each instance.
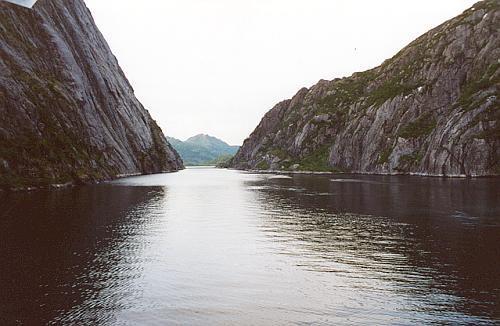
(68, 112)
(431, 109)
(202, 149)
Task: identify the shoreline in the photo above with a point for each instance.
(413, 174)
(60, 186)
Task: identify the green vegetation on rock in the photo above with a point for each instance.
(384, 156)
(389, 90)
(62, 125)
(318, 161)
(263, 165)
(447, 81)
(489, 78)
(407, 161)
(423, 126)
(222, 161)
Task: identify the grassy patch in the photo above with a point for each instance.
(408, 160)
(411, 158)
(317, 161)
(278, 152)
(263, 165)
(346, 92)
(389, 90)
(423, 126)
(384, 156)
(58, 155)
(484, 81)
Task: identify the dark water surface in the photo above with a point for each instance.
(218, 247)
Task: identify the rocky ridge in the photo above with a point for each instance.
(432, 109)
(68, 113)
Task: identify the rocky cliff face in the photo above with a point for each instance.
(67, 112)
(431, 109)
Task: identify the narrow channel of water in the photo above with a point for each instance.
(218, 247)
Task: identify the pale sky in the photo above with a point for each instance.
(24, 3)
(216, 66)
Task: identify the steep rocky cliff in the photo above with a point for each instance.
(431, 109)
(67, 112)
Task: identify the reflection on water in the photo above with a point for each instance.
(68, 248)
(207, 246)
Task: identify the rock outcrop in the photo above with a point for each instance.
(432, 109)
(67, 112)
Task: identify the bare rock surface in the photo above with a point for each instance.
(67, 112)
(432, 109)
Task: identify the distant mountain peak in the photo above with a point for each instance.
(202, 136)
(202, 149)
(206, 140)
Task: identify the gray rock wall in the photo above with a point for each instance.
(68, 113)
(432, 109)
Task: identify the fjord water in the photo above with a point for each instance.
(219, 247)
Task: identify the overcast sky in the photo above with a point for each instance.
(216, 66)
(25, 3)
